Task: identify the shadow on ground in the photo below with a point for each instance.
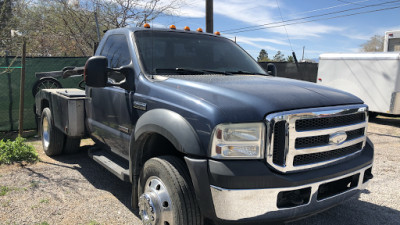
(389, 121)
(98, 176)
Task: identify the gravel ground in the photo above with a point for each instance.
(73, 189)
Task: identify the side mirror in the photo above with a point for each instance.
(96, 71)
(271, 69)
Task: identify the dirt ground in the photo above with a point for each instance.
(73, 189)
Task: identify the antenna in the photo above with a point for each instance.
(287, 35)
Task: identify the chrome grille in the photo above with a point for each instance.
(325, 122)
(304, 139)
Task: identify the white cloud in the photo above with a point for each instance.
(195, 9)
(258, 42)
(255, 14)
(356, 36)
(367, 34)
(254, 44)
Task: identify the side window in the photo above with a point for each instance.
(117, 52)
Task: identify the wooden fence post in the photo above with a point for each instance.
(22, 91)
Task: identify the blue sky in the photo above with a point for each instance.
(344, 34)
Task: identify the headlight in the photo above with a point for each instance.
(238, 141)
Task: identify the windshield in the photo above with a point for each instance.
(174, 53)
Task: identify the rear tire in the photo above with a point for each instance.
(71, 145)
(166, 194)
(52, 138)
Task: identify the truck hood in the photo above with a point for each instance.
(250, 97)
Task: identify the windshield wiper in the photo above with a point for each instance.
(245, 72)
(185, 71)
(217, 72)
(188, 71)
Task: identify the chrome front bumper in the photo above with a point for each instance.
(242, 204)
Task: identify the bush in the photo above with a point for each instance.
(17, 151)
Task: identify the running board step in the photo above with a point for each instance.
(110, 162)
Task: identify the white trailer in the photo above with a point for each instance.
(373, 77)
(392, 41)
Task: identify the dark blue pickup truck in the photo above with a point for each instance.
(203, 133)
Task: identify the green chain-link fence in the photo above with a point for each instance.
(10, 72)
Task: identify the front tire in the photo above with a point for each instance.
(166, 195)
(52, 138)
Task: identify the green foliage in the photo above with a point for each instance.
(263, 56)
(4, 190)
(279, 57)
(290, 59)
(17, 151)
(44, 201)
(43, 223)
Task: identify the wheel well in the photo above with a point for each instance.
(157, 145)
(44, 104)
(152, 145)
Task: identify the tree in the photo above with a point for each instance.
(374, 44)
(5, 17)
(263, 56)
(68, 28)
(279, 57)
(290, 59)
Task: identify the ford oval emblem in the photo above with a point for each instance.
(337, 138)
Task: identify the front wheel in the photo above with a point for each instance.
(166, 195)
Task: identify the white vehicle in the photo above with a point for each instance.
(373, 77)
(392, 41)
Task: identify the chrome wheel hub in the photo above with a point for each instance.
(155, 206)
(45, 133)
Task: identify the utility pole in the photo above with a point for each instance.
(97, 26)
(209, 16)
(302, 58)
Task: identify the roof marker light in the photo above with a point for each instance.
(199, 30)
(186, 28)
(217, 33)
(172, 27)
(146, 25)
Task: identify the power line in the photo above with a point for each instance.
(309, 21)
(314, 10)
(287, 35)
(308, 17)
(348, 2)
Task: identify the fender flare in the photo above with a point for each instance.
(172, 126)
